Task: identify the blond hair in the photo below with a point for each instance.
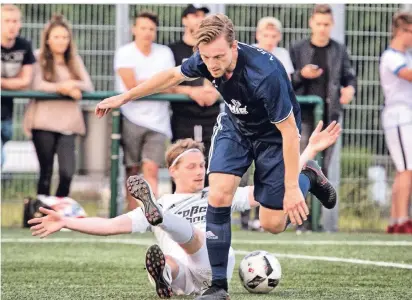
(266, 22)
(400, 20)
(9, 7)
(212, 27)
(181, 146)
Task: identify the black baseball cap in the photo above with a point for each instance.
(192, 9)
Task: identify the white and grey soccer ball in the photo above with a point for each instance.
(260, 272)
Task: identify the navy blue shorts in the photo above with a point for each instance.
(232, 153)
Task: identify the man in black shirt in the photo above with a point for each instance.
(322, 68)
(193, 119)
(16, 65)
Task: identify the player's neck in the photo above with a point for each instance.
(145, 48)
(58, 58)
(266, 48)
(398, 44)
(7, 43)
(319, 42)
(188, 38)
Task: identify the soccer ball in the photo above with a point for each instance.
(260, 272)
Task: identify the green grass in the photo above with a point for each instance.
(71, 270)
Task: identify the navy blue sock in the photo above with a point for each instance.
(218, 239)
(304, 184)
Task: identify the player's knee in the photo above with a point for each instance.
(220, 199)
(273, 226)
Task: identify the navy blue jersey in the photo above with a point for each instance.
(257, 96)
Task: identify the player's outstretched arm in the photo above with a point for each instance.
(319, 141)
(156, 84)
(53, 222)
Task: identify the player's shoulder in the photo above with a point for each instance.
(259, 63)
(392, 54)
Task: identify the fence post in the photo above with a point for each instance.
(315, 205)
(122, 37)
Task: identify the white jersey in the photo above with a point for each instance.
(193, 207)
(395, 88)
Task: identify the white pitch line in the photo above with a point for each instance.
(147, 242)
(327, 242)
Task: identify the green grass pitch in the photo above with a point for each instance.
(79, 266)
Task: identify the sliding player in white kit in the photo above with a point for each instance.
(180, 263)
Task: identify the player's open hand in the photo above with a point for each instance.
(105, 106)
(322, 139)
(294, 206)
(48, 224)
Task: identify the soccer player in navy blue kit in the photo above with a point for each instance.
(261, 124)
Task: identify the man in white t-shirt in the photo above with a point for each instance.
(396, 80)
(268, 36)
(179, 264)
(145, 124)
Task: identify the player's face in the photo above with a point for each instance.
(145, 31)
(218, 56)
(268, 38)
(192, 22)
(189, 173)
(321, 25)
(406, 35)
(59, 40)
(10, 24)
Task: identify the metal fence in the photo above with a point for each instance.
(366, 36)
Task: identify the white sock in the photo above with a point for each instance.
(179, 229)
(402, 220)
(393, 221)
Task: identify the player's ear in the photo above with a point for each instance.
(234, 45)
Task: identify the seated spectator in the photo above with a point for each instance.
(17, 61)
(268, 36)
(145, 124)
(54, 124)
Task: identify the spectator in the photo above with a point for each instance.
(54, 124)
(322, 68)
(145, 124)
(196, 119)
(17, 59)
(268, 36)
(396, 80)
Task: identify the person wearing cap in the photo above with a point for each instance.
(197, 118)
(268, 36)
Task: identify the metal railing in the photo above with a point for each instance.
(115, 134)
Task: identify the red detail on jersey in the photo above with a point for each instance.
(251, 270)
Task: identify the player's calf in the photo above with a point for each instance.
(159, 271)
(320, 186)
(141, 191)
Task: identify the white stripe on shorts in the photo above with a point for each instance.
(216, 129)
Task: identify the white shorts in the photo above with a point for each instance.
(197, 272)
(397, 126)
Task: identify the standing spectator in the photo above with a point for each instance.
(145, 124)
(268, 36)
(396, 81)
(17, 61)
(195, 119)
(54, 124)
(322, 68)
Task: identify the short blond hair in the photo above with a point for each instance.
(10, 7)
(212, 27)
(181, 146)
(266, 22)
(400, 20)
